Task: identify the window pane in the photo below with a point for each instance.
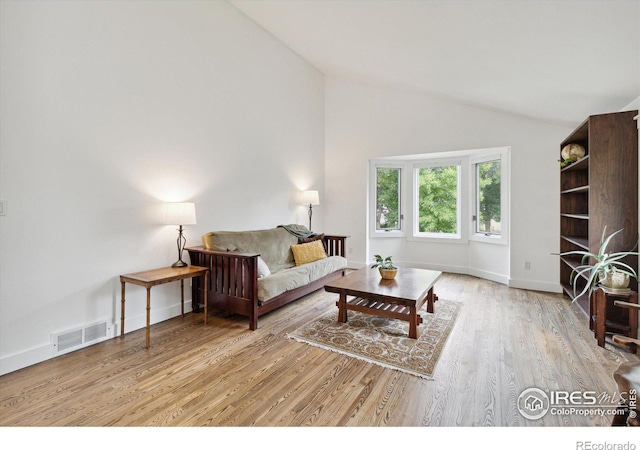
(387, 198)
(437, 201)
(488, 196)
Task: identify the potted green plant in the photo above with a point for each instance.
(385, 266)
(606, 269)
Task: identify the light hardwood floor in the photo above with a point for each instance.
(505, 340)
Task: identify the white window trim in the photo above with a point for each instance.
(373, 166)
(459, 237)
(502, 154)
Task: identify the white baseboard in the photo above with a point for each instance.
(491, 276)
(356, 265)
(487, 275)
(484, 274)
(46, 351)
(535, 286)
(140, 320)
(26, 358)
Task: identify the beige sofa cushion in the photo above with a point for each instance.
(297, 276)
(273, 245)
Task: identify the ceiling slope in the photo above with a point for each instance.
(557, 61)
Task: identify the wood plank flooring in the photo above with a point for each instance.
(505, 340)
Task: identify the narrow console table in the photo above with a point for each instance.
(151, 278)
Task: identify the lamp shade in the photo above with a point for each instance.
(180, 214)
(310, 198)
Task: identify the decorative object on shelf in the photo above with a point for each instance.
(575, 151)
(180, 214)
(310, 198)
(385, 266)
(607, 268)
(571, 153)
(615, 282)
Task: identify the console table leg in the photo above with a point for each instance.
(206, 295)
(122, 309)
(148, 316)
(182, 297)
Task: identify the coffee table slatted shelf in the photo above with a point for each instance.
(382, 309)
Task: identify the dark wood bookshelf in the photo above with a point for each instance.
(582, 243)
(599, 190)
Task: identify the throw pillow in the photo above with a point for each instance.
(308, 252)
(263, 269)
(315, 237)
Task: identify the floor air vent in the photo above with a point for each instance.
(81, 337)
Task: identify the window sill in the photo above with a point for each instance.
(387, 234)
(491, 239)
(445, 239)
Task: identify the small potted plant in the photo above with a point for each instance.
(385, 266)
(607, 269)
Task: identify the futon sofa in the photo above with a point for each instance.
(255, 272)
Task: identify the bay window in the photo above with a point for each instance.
(453, 196)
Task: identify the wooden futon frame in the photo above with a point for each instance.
(233, 284)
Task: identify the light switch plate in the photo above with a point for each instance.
(3, 207)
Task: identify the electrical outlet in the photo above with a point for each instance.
(527, 265)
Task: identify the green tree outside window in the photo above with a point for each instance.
(488, 197)
(387, 198)
(437, 206)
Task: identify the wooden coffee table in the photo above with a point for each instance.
(365, 291)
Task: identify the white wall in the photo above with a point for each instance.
(110, 109)
(365, 122)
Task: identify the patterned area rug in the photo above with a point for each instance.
(384, 341)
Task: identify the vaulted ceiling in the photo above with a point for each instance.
(554, 60)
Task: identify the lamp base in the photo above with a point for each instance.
(181, 242)
(179, 263)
